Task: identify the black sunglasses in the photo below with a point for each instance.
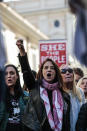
(63, 71)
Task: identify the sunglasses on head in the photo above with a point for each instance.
(63, 71)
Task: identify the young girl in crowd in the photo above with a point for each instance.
(83, 85)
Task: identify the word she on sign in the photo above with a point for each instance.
(54, 49)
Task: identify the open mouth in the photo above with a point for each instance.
(48, 74)
(68, 77)
(9, 81)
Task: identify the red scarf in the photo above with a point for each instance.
(55, 121)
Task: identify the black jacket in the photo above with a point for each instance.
(35, 115)
(81, 124)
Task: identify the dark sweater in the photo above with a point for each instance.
(81, 124)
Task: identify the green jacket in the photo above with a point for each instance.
(4, 114)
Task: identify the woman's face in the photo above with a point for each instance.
(10, 76)
(49, 72)
(83, 85)
(67, 74)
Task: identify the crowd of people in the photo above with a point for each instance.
(54, 99)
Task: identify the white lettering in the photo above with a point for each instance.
(61, 47)
(61, 59)
(58, 59)
(52, 47)
(44, 47)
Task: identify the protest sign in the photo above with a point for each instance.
(54, 49)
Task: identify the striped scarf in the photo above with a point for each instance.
(55, 121)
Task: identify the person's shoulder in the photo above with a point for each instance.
(81, 91)
(84, 107)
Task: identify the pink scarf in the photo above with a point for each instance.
(55, 121)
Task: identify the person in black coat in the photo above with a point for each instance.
(48, 107)
(81, 124)
(2, 85)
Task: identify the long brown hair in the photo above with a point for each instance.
(58, 77)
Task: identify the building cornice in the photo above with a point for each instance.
(20, 25)
(43, 11)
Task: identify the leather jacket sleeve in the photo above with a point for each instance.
(81, 124)
(28, 77)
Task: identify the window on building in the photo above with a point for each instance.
(56, 23)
